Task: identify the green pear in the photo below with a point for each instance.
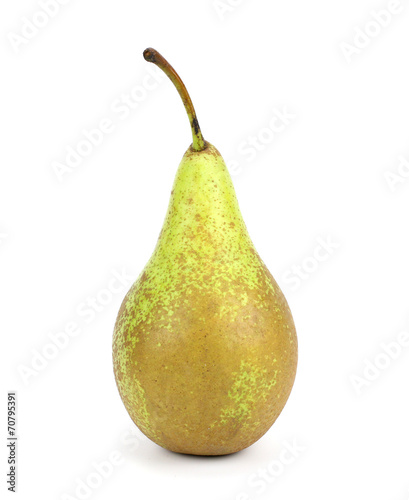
(204, 347)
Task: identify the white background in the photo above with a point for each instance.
(331, 174)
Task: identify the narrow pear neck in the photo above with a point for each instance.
(203, 199)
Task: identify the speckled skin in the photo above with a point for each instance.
(204, 348)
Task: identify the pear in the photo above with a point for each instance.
(204, 347)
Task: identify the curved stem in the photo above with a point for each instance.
(154, 57)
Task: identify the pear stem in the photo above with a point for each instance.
(155, 57)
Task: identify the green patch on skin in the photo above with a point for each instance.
(250, 387)
(132, 391)
(134, 395)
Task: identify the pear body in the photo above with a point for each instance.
(204, 347)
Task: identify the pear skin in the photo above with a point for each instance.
(204, 347)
